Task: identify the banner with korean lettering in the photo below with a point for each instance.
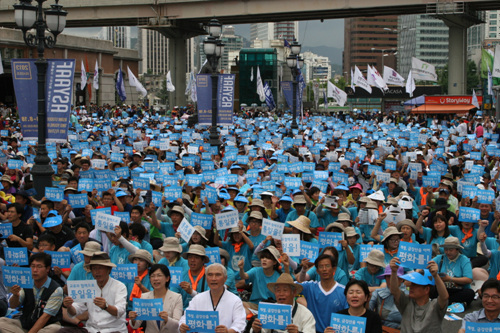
(225, 99)
(346, 323)
(202, 321)
(20, 276)
(414, 255)
(125, 272)
(275, 316)
(148, 309)
(58, 96)
(471, 327)
(83, 290)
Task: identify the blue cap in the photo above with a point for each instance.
(342, 187)
(417, 278)
(228, 208)
(286, 198)
(234, 166)
(224, 195)
(52, 221)
(241, 198)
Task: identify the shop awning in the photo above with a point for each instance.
(459, 109)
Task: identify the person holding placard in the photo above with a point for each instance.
(107, 313)
(137, 216)
(285, 291)
(122, 246)
(40, 306)
(358, 295)
(436, 234)
(159, 275)
(255, 225)
(311, 273)
(229, 306)
(467, 234)
(239, 247)
(22, 234)
(109, 199)
(137, 234)
(374, 267)
(141, 284)
(490, 313)
(285, 208)
(257, 205)
(172, 254)
(390, 239)
(299, 203)
(54, 226)
(199, 237)
(456, 272)
(441, 206)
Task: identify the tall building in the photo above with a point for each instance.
(492, 30)
(120, 36)
(232, 45)
(288, 30)
(154, 52)
(316, 68)
(370, 40)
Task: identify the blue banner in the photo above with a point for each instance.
(202, 321)
(275, 316)
(60, 259)
(20, 276)
(414, 255)
(16, 255)
(346, 323)
(148, 309)
(58, 91)
(225, 99)
(287, 88)
(203, 220)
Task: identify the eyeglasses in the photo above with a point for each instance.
(37, 267)
(493, 297)
(324, 266)
(394, 240)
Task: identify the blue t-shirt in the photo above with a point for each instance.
(145, 282)
(436, 240)
(470, 245)
(230, 282)
(460, 267)
(147, 246)
(259, 281)
(201, 287)
(119, 255)
(234, 258)
(282, 214)
(183, 263)
(167, 228)
(79, 273)
(494, 264)
(256, 240)
(322, 304)
(372, 280)
(340, 276)
(292, 216)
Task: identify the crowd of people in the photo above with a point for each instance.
(339, 184)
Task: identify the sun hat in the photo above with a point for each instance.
(235, 230)
(256, 215)
(141, 254)
(335, 225)
(171, 244)
(176, 209)
(302, 223)
(371, 205)
(393, 180)
(196, 250)
(390, 231)
(7, 179)
(356, 186)
(91, 248)
(344, 217)
(199, 229)
(376, 257)
(286, 279)
(425, 279)
(379, 195)
(407, 222)
(240, 198)
(100, 258)
(266, 193)
(451, 243)
(365, 199)
(391, 202)
(299, 199)
(52, 221)
(388, 272)
(257, 202)
(273, 251)
(224, 254)
(351, 232)
(228, 208)
(286, 198)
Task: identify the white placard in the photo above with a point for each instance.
(413, 175)
(272, 228)
(227, 220)
(291, 244)
(395, 214)
(186, 230)
(192, 150)
(331, 202)
(83, 290)
(367, 216)
(383, 177)
(106, 222)
(164, 145)
(138, 146)
(469, 164)
(98, 164)
(415, 166)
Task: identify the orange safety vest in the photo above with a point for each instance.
(423, 197)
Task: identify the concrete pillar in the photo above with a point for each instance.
(177, 64)
(457, 60)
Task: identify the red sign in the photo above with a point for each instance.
(451, 100)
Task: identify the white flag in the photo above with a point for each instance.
(410, 84)
(393, 77)
(360, 80)
(170, 85)
(475, 102)
(339, 95)
(194, 91)
(490, 82)
(260, 87)
(83, 77)
(188, 86)
(375, 79)
(496, 63)
(251, 74)
(133, 82)
(352, 81)
(95, 81)
(423, 70)
(1, 64)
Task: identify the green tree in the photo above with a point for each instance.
(472, 77)
(163, 93)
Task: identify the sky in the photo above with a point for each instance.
(311, 33)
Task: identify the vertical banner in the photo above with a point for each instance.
(225, 99)
(58, 96)
(287, 88)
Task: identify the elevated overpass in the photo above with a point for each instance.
(182, 19)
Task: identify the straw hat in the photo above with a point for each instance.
(391, 202)
(273, 251)
(452, 243)
(335, 225)
(344, 217)
(256, 215)
(7, 179)
(302, 223)
(365, 199)
(91, 248)
(196, 250)
(407, 222)
(201, 231)
(376, 257)
(286, 279)
(389, 232)
(171, 244)
(176, 209)
(224, 254)
(141, 254)
(101, 258)
(351, 232)
(299, 199)
(257, 202)
(371, 205)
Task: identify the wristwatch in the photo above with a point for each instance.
(106, 306)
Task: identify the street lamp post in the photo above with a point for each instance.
(214, 49)
(29, 18)
(384, 54)
(292, 61)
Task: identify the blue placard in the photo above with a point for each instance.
(469, 191)
(346, 323)
(76, 256)
(341, 177)
(390, 165)
(213, 253)
(485, 196)
(140, 182)
(309, 250)
(475, 155)
(202, 321)
(232, 179)
(124, 272)
(123, 172)
(323, 186)
(5, 230)
(78, 200)
(471, 327)
(430, 181)
(124, 216)
(468, 214)
(203, 220)
(15, 164)
(16, 255)
(86, 184)
(330, 239)
(365, 250)
(94, 212)
(210, 193)
(414, 255)
(275, 316)
(321, 175)
(20, 276)
(293, 183)
(147, 309)
(54, 194)
(172, 193)
(60, 259)
(194, 180)
(175, 275)
(156, 198)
